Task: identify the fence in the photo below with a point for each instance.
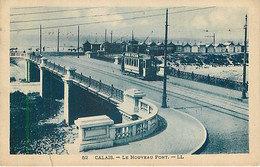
(226, 83)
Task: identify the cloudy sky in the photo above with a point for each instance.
(186, 24)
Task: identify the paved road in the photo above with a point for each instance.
(226, 119)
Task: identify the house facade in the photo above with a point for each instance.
(220, 48)
(187, 48)
(238, 48)
(230, 47)
(202, 48)
(210, 48)
(86, 46)
(195, 48)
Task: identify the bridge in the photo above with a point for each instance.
(214, 108)
(138, 118)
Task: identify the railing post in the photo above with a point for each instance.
(89, 84)
(192, 76)
(99, 85)
(112, 91)
(64, 70)
(80, 77)
(227, 83)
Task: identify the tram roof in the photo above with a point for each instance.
(141, 55)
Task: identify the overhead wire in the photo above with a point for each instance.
(108, 21)
(76, 17)
(26, 7)
(53, 11)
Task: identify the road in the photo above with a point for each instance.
(225, 119)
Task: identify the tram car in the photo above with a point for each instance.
(141, 65)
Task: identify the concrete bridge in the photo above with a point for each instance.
(105, 115)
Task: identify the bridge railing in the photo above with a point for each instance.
(138, 129)
(36, 59)
(56, 67)
(226, 83)
(99, 86)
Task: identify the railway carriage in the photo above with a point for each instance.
(141, 65)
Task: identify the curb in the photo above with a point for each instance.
(202, 126)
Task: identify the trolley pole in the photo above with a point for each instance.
(78, 41)
(164, 96)
(40, 39)
(244, 62)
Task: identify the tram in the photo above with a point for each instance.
(140, 65)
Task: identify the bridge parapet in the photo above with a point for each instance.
(146, 124)
(99, 132)
(100, 86)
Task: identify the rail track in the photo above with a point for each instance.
(232, 109)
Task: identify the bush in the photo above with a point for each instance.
(12, 79)
(26, 111)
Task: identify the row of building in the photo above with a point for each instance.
(153, 48)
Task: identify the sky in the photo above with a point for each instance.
(184, 25)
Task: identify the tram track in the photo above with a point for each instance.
(233, 103)
(202, 103)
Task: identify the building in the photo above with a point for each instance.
(230, 47)
(238, 48)
(187, 48)
(195, 48)
(86, 46)
(210, 48)
(220, 48)
(151, 48)
(142, 47)
(95, 47)
(132, 46)
(170, 47)
(178, 48)
(202, 48)
(124, 46)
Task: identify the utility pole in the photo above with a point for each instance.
(105, 35)
(164, 96)
(244, 62)
(132, 35)
(214, 39)
(78, 41)
(105, 43)
(40, 39)
(58, 48)
(111, 36)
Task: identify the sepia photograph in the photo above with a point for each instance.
(127, 82)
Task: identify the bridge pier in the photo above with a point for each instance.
(27, 68)
(68, 83)
(44, 79)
